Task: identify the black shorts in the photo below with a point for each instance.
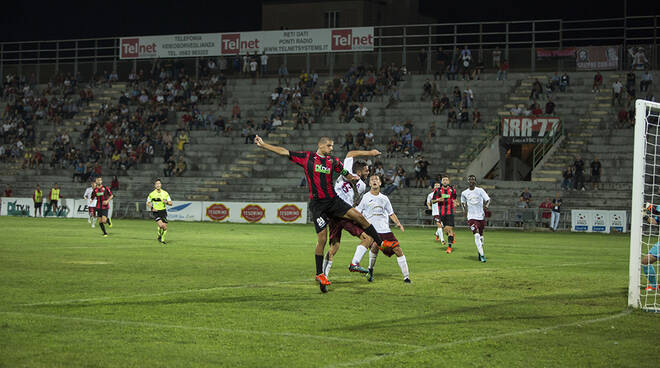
(160, 215)
(324, 209)
(447, 220)
(53, 202)
(101, 212)
(37, 205)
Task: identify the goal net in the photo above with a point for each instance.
(643, 290)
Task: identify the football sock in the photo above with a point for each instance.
(162, 237)
(327, 268)
(450, 240)
(442, 235)
(372, 259)
(477, 241)
(325, 261)
(103, 227)
(93, 221)
(108, 221)
(371, 231)
(319, 263)
(359, 253)
(482, 240)
(649, 271)
(403, 265)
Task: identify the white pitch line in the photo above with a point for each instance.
(135, 296)
(195, 328)
(192, 291)
(477, 339)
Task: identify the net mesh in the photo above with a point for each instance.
(650, 293)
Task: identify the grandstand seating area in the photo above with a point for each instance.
(221, 166)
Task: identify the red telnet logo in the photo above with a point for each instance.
(342, 39)
(232, 44)
(130, 47)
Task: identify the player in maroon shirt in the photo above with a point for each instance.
(103, 197)
(324, 202)
(445, 197)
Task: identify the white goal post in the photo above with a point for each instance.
(644, 231)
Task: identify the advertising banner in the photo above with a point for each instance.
(15, 206)
(265, 213)
(12, 206)
(597, 58)
(543, 53)
(185, 211)
(271, 42)
(528, 129)
(600, 221)
(79, 209)
(581, 220)
(618, 221)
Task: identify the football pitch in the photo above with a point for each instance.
(236, 295)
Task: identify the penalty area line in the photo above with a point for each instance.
(196, 328)
(480, 338)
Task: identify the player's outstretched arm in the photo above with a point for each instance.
(273, 148)
(396, 221)
(374, 152)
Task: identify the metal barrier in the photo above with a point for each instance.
(401, 44)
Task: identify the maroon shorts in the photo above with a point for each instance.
(387, 250)
(92, 211)
(477, 226)
(339, 224)
(436, 218)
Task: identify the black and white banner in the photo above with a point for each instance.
(529, 129)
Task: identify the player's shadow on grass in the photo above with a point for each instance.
(496, 312)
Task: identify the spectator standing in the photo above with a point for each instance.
(8, 191)
(616, 92)
(564, 82)
(556, 210)
(646, 82)
(283, 73)
(422, 57)
(567, 183)
(598, 82)
(440, 60)
(503, 70)
(578, 182)
(264, 63)
(549, 107)
(596, 170)
(497, 57)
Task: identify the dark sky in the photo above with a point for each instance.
(44, 20)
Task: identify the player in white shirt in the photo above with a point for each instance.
(377, 209)
(474, 201)
(435, 212)
(348, 192)
(91, 204)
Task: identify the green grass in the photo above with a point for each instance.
(243, 295)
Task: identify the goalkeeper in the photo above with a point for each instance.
(653, 256)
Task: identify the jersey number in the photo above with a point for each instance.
(346, 187)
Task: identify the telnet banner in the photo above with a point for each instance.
(528, 129)
(272, 42)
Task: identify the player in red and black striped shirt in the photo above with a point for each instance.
(445, 197)
(103, 197)
(324, 202)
